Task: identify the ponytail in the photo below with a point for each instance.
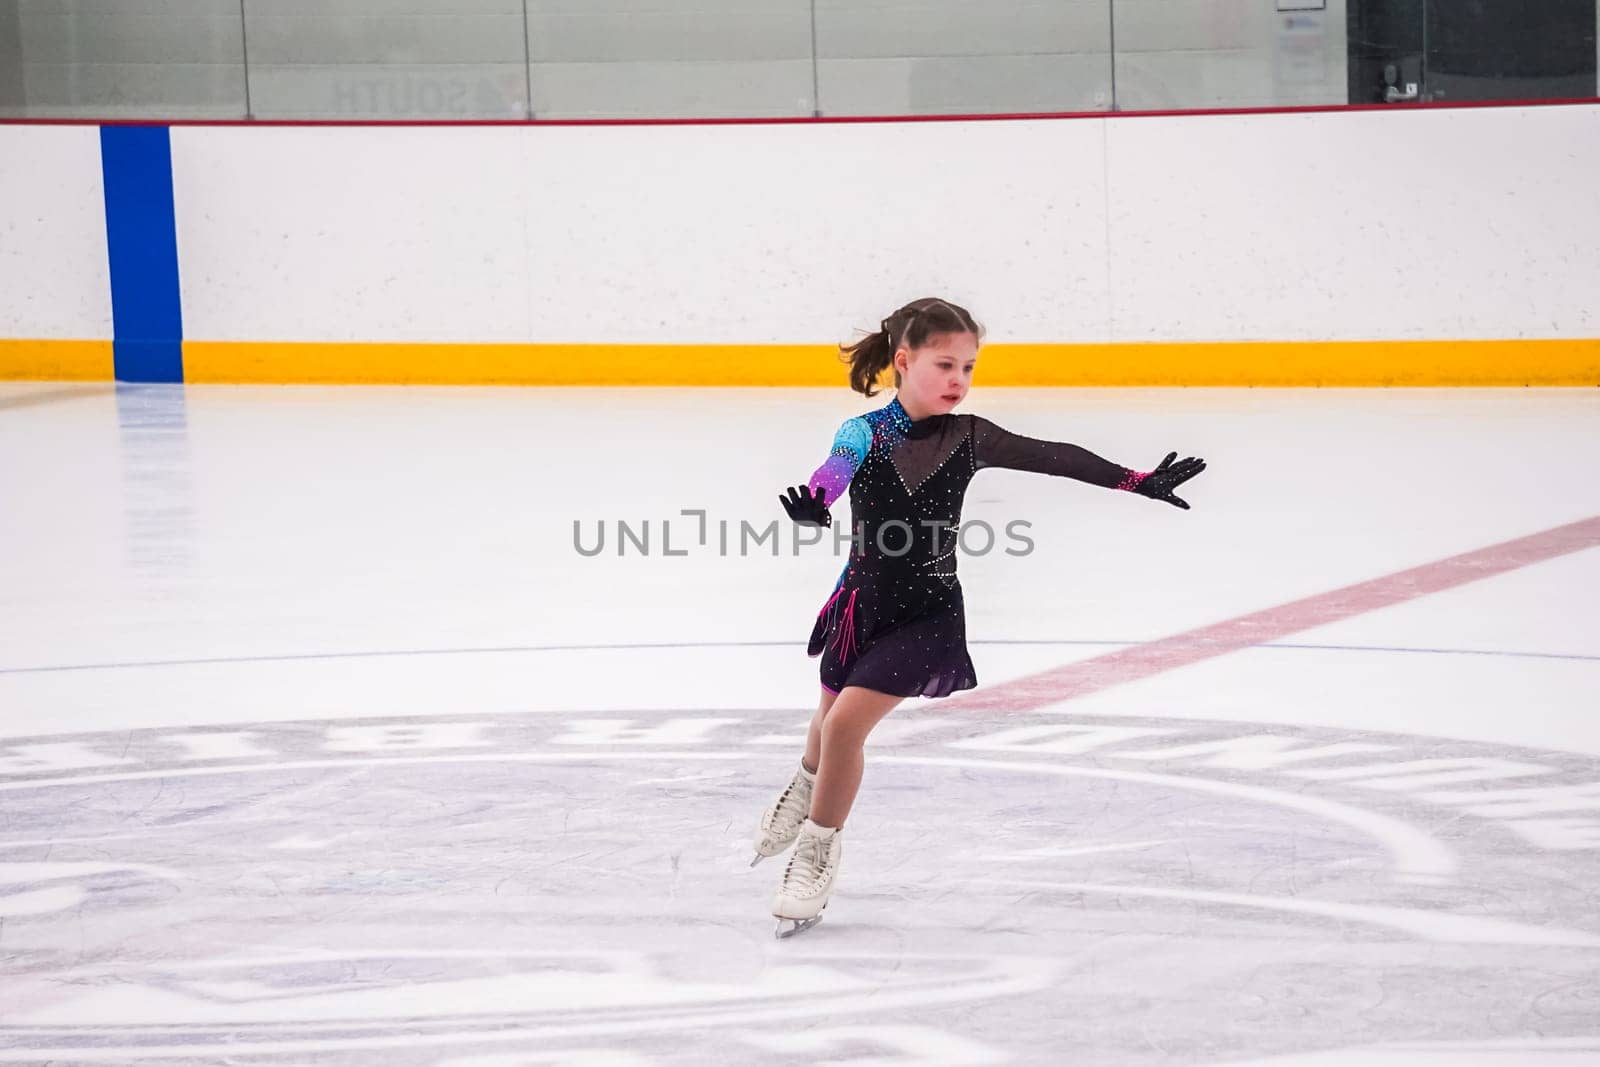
(868, 358)
(910, 328)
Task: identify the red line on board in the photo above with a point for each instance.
(824, 120)
(1233, 635)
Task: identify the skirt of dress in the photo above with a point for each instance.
(916, 651)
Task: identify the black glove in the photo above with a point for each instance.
(1159, 483)
(806, 509)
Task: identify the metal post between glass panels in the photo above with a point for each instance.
(527, 64)
(244, 58)
(1111, 50)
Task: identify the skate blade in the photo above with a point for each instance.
(796, 926)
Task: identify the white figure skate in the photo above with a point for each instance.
(807, 880)
(780, 824)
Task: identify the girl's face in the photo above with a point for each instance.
(936, 376)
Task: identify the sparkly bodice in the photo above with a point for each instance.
(907, 481)
(906, 495)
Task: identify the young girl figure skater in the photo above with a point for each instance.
(894, 625)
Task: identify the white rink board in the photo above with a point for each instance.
(1470, 224)
(1353, 227)
(754, 234)
(55, 277)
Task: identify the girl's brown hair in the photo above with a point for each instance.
(911, 326)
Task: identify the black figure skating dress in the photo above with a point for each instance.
(895, 621)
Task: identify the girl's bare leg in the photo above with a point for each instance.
(813, 754)
(843, 732)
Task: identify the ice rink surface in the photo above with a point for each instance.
(323, 739)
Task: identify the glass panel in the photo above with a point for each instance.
(1405, 51)
(386, 59)
(1500, 50)
(671, 58)
(950, 57)
(506, 59)
(1192, 54)
(121, 59)
(1386, 51)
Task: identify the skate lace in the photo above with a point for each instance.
(808, 867)
(792, 805)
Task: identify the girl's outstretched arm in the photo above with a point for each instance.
(996, 447)
(849, 449)
(808, 504)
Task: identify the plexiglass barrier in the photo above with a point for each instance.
(596, 59)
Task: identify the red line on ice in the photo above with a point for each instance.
(1180, 650)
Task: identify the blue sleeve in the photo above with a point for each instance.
(849, 450)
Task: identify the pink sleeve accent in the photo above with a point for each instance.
(1131, 482)
(833, 475)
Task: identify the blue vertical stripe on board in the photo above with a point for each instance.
(142, 238)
